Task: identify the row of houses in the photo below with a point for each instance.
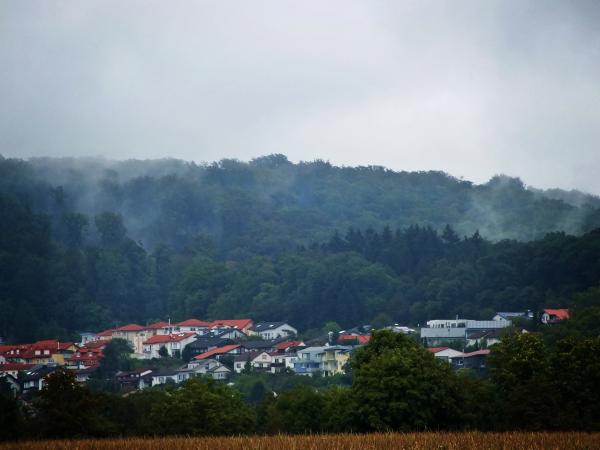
(148, 340)
(468, 333)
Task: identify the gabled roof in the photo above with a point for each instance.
(264, 326)
(50, 344)
(562, 313)
(250, 356)
(217, 351)
(194, 323)
(130, 327)
(105, 333)
(158, 325)
(166, 338)
(437, 349)
(287, 344)
(94, 345)
(362, 339)
(240, 324)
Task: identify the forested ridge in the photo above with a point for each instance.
(88, 244)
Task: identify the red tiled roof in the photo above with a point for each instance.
(157, 325)
(7, 348)
(562, 313)
(95, 344)
(437, 349)
(217, 351)
(362, 339)
(164, 338)
(50, 344)
(15, 366)
(194, 323)
(94, 350)
(240, 324)
(105, 333)
(287, 344)
(130, 327)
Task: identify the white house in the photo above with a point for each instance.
(282, 361)
(164, 376)
(211, 367)
(273, 330)
(453, 357)
(193, 326)
(174, 343)
(258, 361)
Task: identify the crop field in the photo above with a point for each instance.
(384, 441)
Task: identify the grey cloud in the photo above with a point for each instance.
(474, 88)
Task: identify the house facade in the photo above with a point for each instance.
(553, 316)
(173, 343)
(273, 330)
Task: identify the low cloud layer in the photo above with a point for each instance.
(473, 88)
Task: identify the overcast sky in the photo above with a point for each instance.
(474, 88)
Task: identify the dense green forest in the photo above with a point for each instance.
(87, 244)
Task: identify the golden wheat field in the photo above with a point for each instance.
(383, 441)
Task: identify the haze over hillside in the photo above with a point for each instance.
(270, 205)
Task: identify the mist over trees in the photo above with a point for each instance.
(87, 244)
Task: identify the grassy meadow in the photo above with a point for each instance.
(375, 441)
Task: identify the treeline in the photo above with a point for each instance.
(86, 245)
(54, 287)
(397, 385)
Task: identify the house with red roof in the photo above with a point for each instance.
(451, 356)
(87, 356)
(288, 346)
(49, 351)
(232, 349)
(552, 316)
(173, 343)
(105, 335)
(241, 324)
(353, 338)
(160, 327)
(477, 359)
(258, 361)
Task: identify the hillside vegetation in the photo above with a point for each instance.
(87, 244)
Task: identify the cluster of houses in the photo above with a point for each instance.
(222, 347)
(443, 337)
(216, 349)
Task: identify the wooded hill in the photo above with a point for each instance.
(86, 244)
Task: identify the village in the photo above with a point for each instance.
(221, 349)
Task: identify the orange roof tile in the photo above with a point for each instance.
(164, 338)
(562, 313)
(217, 351)
(240, 324)
(437, 349)
(130, 327)
(194, 323)
(157, 325)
